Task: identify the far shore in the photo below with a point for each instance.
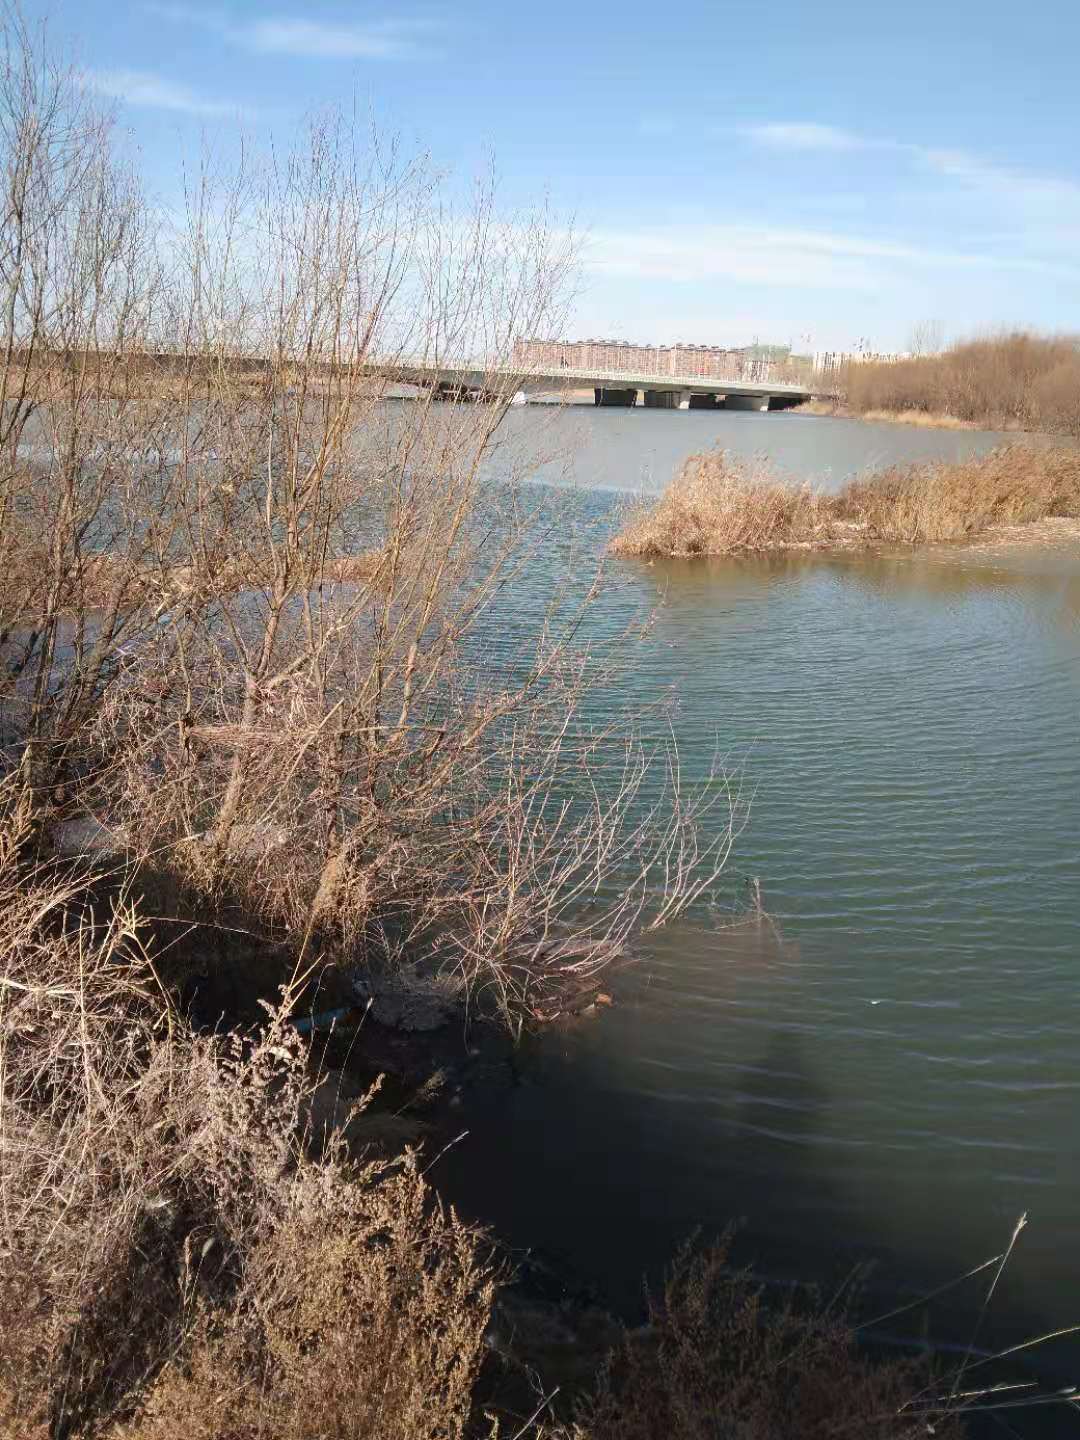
(923, 419)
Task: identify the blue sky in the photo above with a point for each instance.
(794, 172)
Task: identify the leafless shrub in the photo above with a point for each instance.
(718, 1361)
(159, 1213)
(361, 1315)
(244, 592)
(78, 275)
(1015, 379)
(715, 506)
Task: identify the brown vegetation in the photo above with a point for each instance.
(168, 1246)
(716, 506)
(922, 419)
(717, 1360)
(237, 631)
(1011, 381)
(180, 1260)
(238, 613)
(238, 622)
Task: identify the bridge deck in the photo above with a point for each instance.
(567, 378)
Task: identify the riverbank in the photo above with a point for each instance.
(716, 506)
(922, 419)
(265, 1252)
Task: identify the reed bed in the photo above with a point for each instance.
(921, 419)
(717, 505)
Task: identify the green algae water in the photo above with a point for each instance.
(885, 1068)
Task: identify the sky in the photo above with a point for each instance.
(822, 175)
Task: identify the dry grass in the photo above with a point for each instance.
(361, 1317)
(1008, 381)
(718, 1363)
(716, 506)
(173, 1260)
(921, 419)
(925, 420)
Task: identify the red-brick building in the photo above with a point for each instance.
(622, 357)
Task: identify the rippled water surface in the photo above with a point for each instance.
(889, 1066)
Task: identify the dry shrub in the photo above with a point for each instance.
(361, 1317)
(714, 506)
(718, 1363)
(162, 1223)
(245, 614)
(1014, 379)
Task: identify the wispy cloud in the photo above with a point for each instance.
(302, 36)
(808, 135)
(1035, 214)
(1046, 194)
(1051, 200)
(146, 90)
(773, 256)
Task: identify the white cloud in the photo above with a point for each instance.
(808, 135)
(341, 42)
(773, 256)
(304, 37)
(1040, 196)
(147, 90)
(1047, 199)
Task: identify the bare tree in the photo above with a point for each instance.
(926, 338)
(83, 516)
(248, 632)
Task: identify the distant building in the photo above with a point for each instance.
(828, 362)
(751, 362)
(704, 362)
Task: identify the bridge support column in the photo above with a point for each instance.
(704, 402)
(746, 402)
(661, 399)
(605, 395)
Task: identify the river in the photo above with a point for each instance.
(886, 1068)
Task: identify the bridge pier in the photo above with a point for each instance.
(605, 395)
(746, 402)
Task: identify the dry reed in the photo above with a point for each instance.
(718, 506)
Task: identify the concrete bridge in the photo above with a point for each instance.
(479, 380)
(610, 388)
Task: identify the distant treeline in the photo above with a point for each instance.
(1014, 380)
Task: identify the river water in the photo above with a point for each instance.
(886, 1068)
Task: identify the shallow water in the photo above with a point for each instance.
(887, 1067)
